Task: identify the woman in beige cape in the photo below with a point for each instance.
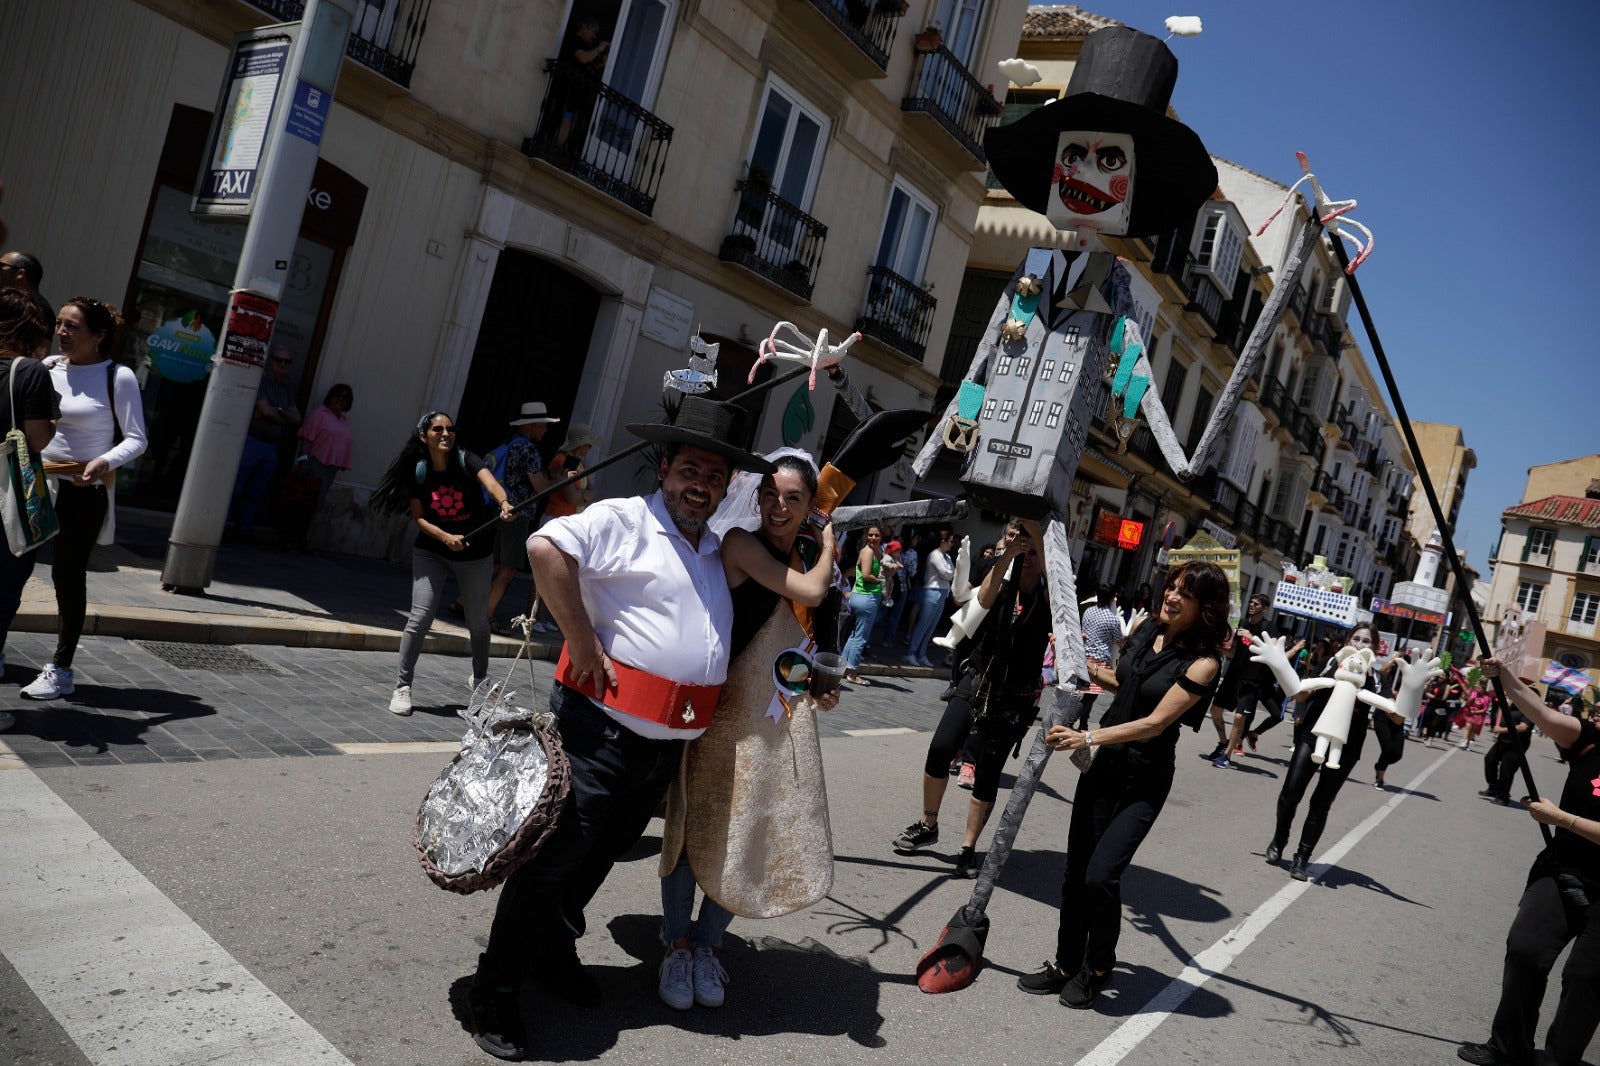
(747, 818)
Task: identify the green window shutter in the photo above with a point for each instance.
(1527, 543)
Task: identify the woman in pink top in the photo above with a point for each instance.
(327, 446)
(1474, 714)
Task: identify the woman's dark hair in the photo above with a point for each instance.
(344, 390)
(797, 465)
(393, 494)
(1372, 632)
(100, 318)
(1105, 594)
(23, 330)
(1209, 586)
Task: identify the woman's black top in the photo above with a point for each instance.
(452, 499)
(1011, 661)
(1358, 719)
(1569, 853)
(1144, 676)
(753, 604)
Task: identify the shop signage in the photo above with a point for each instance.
(1325, 605)
(667, 318)
(238, 138)
(308, 113)
(181, 348)
(1405, 610)
(1112, 530)
(251, 317)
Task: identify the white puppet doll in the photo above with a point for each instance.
(1348, 683)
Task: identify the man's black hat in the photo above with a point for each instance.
(721, 428)
(1122, 83)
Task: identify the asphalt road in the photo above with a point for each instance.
(197, 871)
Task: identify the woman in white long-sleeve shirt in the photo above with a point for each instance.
(101, 429)
(938, 572)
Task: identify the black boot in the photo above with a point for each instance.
(1216, 752)
(1274, 853)
(1297, 868)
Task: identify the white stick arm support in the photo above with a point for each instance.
(1269, 650)
(1414, 678)
(961, 585)
(1372, 699)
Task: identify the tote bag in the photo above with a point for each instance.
(25, 506)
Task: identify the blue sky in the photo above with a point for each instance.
(1460, 128)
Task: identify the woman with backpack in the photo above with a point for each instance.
(443, 487)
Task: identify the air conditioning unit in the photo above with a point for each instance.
(1334, 299)
(1218, 245)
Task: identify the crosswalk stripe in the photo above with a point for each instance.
(125, 972)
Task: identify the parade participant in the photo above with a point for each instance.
(1560, 905)
(101, 429)
(1512, 735)
(866, 598)
(1302, 767)
(740, 777)
(443, 488)
(995, 696)
(1169, 665)
(1475, 709)
(1390, 733)
(637, 587)
(23, 331)
(1250, 682)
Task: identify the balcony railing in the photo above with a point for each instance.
(1297, 303)
(897, 312)
(774, 238)
(945, 90)
(1249, 519)
(870, 26)
(384, 38)
(599, 136)
(1205, 299)
(1581, 630)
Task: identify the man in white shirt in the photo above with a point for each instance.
(638, 589)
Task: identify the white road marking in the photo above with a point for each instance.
(890, 731)
(124, 971)
(410, 747)
(1219, 956)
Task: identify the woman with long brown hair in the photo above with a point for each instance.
(1168, 667)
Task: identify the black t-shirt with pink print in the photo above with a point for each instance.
(452, 499)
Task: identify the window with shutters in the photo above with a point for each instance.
(1539, 545)
(1585, 607)
(1589, 561)
(1530, 594)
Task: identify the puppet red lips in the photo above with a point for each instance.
(1084, 199)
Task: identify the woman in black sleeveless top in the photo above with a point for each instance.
(1169, 666)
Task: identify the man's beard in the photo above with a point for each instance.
(686, 520)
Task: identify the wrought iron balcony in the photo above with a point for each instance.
(946, 91)
(599, 136)
(868, 25)
(897, 312)
(384, 38)
(774, 238)
(1205, 299)
(1297, 303)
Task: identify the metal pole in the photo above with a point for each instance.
(283, 178)
(1456, 567)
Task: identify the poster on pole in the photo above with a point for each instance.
(1307, 601)
(251, 317)
(1204, 548)
(226, 185)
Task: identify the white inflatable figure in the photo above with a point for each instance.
(1414, 677)
(817, 354)
(965, 622)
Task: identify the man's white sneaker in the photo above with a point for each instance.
(7, 720)
(709, 977)
(52, 683)
(400, 702)
(677, 985)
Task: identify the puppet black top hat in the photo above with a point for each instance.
(1122, 83)
(724, 429)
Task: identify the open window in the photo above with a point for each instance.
(785, 158)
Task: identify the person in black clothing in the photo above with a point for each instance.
(1512, 735)
(1250, 682)
(995, 696)
(1560, 905)
(1169, 666)
(1391, 734)
(1301, 768)
(580, 65)
(23, 271)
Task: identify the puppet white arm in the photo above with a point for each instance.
(1269, 650)
(1372, 699)
(1414, 677)
(1133, 622)
(961, 585)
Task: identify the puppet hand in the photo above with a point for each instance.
(961, 587)
(1134, 620)
(1414, 677)
(1269, 651)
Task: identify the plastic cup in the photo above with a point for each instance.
(827, 673)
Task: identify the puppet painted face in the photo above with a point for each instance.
(1092, 183)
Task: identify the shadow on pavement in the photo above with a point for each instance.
(1338, 877)
(101, 718)
(1134, 987)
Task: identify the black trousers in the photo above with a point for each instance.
(986, 748)
(1113, 810)
(1542, 928)
(618, 779)
(1247, 701)
(1391, 737)
(1295, 782)
(82, 510)
(1503, 759)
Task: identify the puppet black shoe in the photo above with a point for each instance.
(495, 1022)
(1080, 992)
(1049, 981)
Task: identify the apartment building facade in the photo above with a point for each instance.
(1544, 595)
(496, 220)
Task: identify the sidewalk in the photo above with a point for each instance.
(266, 595)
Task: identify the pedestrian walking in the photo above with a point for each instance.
(31, 407)
(1560, 906)
(637, 587)
(443, 488)
(751, 775)
(273, 415)
(866, 599)
(326, 447)
(101, 430)
(1169, 665)
(938, 573)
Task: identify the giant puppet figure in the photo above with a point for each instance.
(1066, 340)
